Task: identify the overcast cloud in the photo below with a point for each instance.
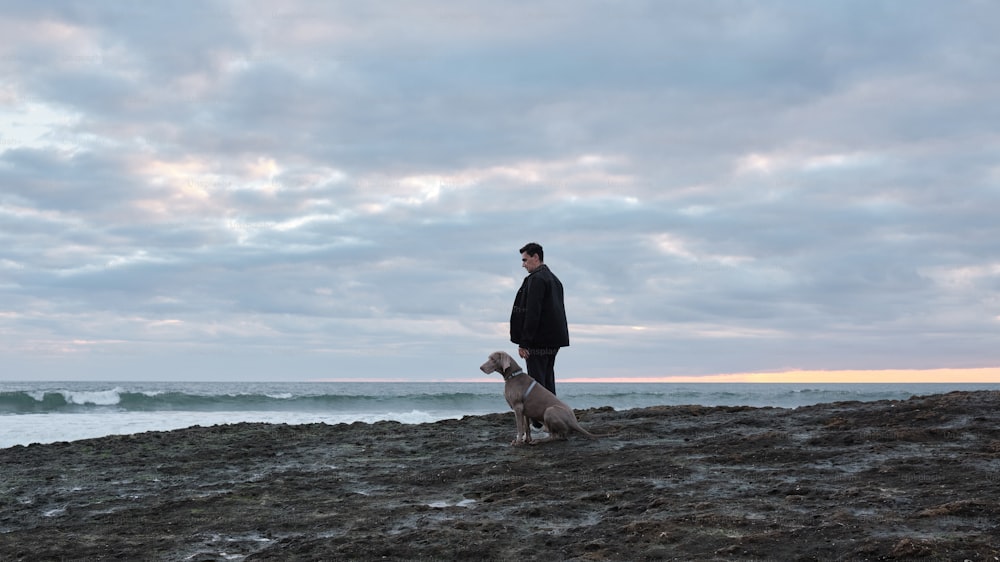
(310, 190)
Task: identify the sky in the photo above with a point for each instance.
(729, 190)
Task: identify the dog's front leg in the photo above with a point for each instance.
(522, 424)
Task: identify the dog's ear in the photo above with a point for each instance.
(505, 361)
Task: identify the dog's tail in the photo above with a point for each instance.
(579, 429)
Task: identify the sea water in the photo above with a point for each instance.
(46, 412)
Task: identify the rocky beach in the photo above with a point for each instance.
(887, 480)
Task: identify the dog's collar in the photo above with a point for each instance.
(514, 374)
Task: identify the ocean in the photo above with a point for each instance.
(47, 412)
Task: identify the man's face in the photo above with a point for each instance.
(529, 262)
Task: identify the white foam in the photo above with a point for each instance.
(24, 429)
(98, 398)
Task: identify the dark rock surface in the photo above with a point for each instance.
(913, 479)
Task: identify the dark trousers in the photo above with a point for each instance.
(541, 365)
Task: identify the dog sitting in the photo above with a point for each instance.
(532, 401)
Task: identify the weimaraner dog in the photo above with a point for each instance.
(532, 401)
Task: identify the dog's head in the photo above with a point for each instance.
(498, 362)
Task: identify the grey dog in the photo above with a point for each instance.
(532, 401)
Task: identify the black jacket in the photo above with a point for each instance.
(538, 319)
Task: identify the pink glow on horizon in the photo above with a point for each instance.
(984, 375)
(958, 376)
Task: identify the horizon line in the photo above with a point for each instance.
(976, 375)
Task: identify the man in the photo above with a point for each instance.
(538, 319)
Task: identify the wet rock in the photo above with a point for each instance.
(840, 481)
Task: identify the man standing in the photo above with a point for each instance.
(538, 319)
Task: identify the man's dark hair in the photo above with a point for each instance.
(534, 249)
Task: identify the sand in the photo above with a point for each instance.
(913, 479)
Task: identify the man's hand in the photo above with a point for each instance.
(522, 352)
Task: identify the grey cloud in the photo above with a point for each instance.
(760, 186)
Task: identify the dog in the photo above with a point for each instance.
(532, 401)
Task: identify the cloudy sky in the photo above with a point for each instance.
(338, 190)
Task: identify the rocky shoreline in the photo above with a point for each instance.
(912, 479)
